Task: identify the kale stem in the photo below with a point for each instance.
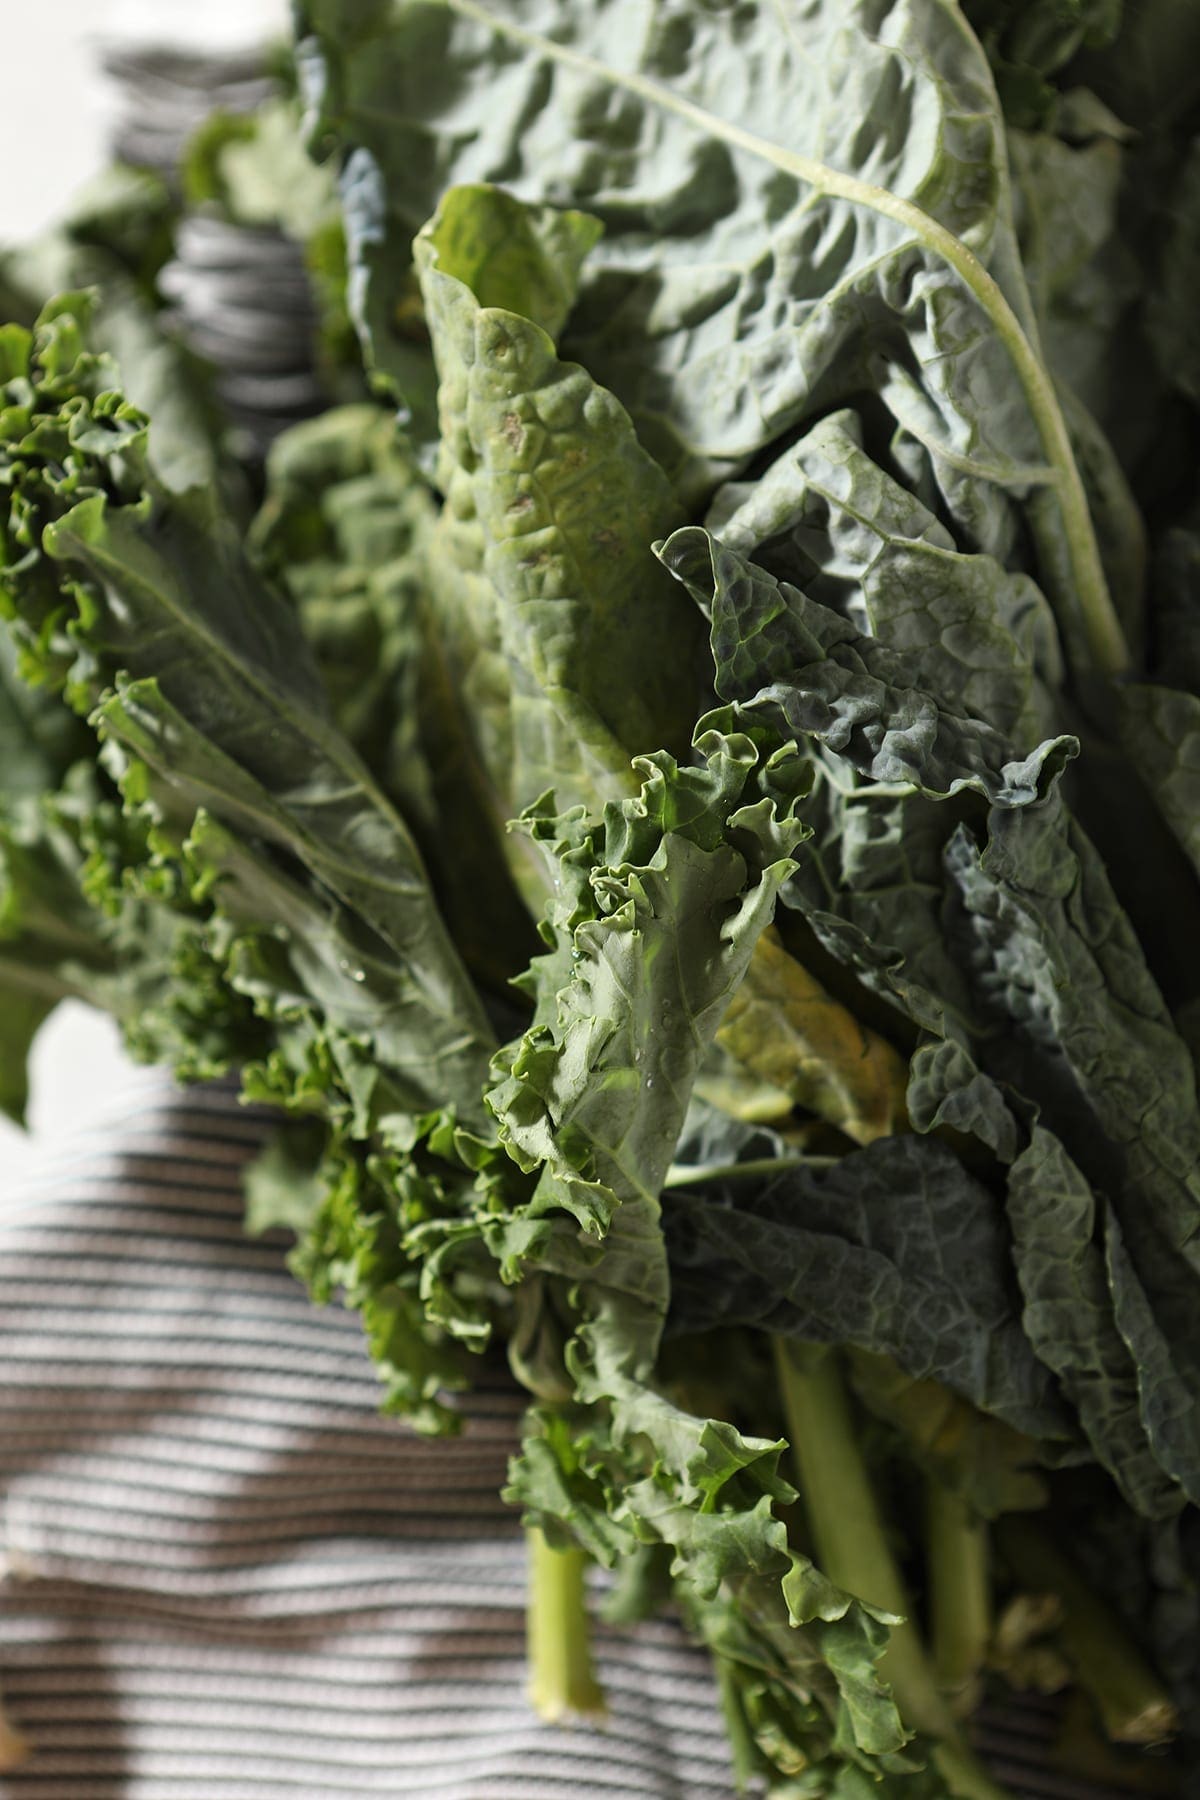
(960, 1600)
(847, 1530)
(852, 1549)
(561, 1679)
(744, 1750)
(1133, 1705)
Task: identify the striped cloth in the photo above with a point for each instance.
(228, 1578)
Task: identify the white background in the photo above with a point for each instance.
(54, 127)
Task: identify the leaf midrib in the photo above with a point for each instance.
(337, 756)
(1101, 626)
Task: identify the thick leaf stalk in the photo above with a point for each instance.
(960, 1599)
(852, 1549)
(562, 1680)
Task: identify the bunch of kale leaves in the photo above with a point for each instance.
(697, 825)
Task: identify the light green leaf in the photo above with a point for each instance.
(116, 237)
(656, 914)
(562, 502)
(1068, 1316)
(353, 1246)
(789, 1031)
(218, 696)
(360, 952)
(23, 1013)
(597, 1090)
(254, 167)
(286, 1183)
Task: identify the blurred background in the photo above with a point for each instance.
(54, 77)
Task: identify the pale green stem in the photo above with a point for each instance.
(687, 1174)
(960, 1599)
(1133, 1705)
(743, 1749)
(561, 1679)
(852, 1550)
(1098, 617)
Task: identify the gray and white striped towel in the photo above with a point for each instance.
(228, 1578)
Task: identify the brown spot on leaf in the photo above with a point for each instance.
(513, 430)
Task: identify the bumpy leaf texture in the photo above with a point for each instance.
(895, 1249)
(798, 207)
(551, 507)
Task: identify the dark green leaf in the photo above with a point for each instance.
(1068, 1316)
(828, 519)
(809, 673)
(894, 1249)
(350, 530)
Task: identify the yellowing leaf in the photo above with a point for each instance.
(788, 1031)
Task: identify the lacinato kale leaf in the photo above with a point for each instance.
(799, 206)
(895, 1248)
